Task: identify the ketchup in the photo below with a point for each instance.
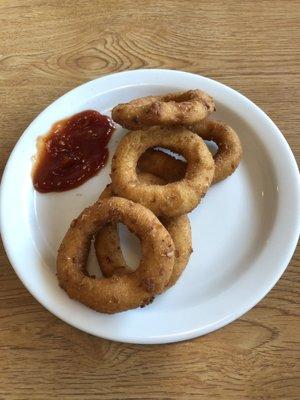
(72, 152)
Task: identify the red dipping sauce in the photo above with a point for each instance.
(72, 152)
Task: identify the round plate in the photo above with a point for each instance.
(244, 231)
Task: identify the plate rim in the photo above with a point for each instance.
(289, 249)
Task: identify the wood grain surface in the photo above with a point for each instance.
(49, 47)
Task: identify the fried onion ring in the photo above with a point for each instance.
(178, 108)
(118, 293)
(107, 241)
(229, 153)
(227, 157)
(173, 199)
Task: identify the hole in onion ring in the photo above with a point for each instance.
(92, 266)
(212, 146)
(130, 247)
(164, 163)
(170, 153)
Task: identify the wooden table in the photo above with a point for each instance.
(49, 47)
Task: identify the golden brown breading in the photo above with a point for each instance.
(178, 108)
(173, 199)
(227, 157)
(160, 164)
(107, 241)
(229, 153)
(118, 293)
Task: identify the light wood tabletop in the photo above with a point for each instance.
(49, 47)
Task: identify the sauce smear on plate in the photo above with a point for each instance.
(72, 152)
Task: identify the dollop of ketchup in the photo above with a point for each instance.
(72, 152)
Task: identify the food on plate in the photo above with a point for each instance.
(227, 157)
(72, 152)
(175, 198)
(229, 153)
(174, 110)
(107, 241)
(119, 292)
(161, 164)
(180, 231)
(155, 189)
(178, 108)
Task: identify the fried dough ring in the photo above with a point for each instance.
(173, 199)
(178, 108)
(118, 293)
(227, 157)
(229, 153)
(107, 241)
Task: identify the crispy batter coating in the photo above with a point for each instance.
(118, 293)
(107, 241)
(175, 198)
(227, 157)
(188, 109)
(160, 164)
(229, 153)
(179, 108)
(158, 182)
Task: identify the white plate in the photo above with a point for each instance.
(244, 231)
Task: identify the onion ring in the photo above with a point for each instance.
(107, 241)
(118, 293)
(229, 153)
(173, 199)
(227, 157)
(178, 108)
